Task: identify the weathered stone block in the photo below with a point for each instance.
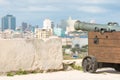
(31, 54)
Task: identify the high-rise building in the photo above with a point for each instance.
(64, 27)
(70, 24)
(47, 24)
(8, 22)
(63, 24)
(47, 27)
(24, 26)
(59, 31)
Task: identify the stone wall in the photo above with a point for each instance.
(31, 54)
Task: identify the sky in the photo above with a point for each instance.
(35, 11)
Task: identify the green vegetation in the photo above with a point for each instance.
(84, 48)
(21, 72)
(66, 46)
(10, 74)
(76, 48)
(77, 67)
(72, 66)
(69, 57)
(16, 73)
(81, 52)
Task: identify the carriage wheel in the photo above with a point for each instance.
(89, 64)
(117, 67)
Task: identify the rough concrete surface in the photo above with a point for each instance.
(28, 54)
(102, 74)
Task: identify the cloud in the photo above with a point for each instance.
(97, 1)
(30, 5)
(92, 9)
(40, 8)
(45, 8)
(89, 6)
(43, 1)
(4, 2)
(56, 5)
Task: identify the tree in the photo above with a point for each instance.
(76, 48)
(84, 48)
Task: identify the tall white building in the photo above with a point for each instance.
(47, 27)
(70, 25)
(47, 24)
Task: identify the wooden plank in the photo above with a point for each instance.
(108, 48)
(98, 34)
(105, 50)
(105, 43)
(105, 54)
(106, 35)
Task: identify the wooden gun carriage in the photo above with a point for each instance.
(103, 47)
(103, 51)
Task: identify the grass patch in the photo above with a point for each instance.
(10, 74)
(67, 57)
(21, 72)
(76, 67)
(70, 57)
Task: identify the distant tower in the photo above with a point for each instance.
(70, 24)
(47, 24)
(24, 26)
(8, 22)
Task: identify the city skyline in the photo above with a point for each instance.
(34, 12)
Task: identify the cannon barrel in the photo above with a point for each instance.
(96, 27)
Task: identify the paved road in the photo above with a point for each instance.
(104, 74)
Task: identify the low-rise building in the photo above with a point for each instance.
(59, 31)
(66, 41)
(7, 34)
(43, 33)
(80, 41)
(10, 34)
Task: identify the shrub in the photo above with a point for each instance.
(10, 74)
(21, 72)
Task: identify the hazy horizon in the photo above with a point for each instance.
(35, 11)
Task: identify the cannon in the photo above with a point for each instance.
(103, 46)
(111, 26)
